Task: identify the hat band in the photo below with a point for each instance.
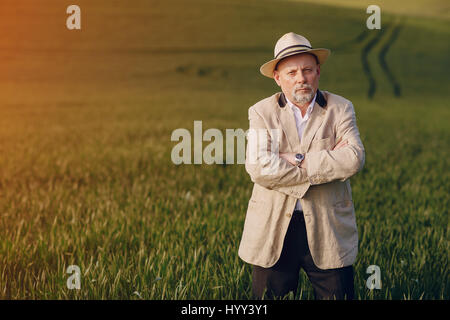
(290, 53)
(290, 47)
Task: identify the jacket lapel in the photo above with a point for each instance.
(314, 122)
(287, 121)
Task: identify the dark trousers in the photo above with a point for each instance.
(283, 277)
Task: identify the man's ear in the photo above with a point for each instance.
(318, 70)
(276, 77)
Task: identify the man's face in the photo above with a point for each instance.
(298, 76)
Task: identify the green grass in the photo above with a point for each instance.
(85, 125)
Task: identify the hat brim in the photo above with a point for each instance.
(267, 68)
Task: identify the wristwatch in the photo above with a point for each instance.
(299, 158)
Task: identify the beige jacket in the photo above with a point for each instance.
(323, 188)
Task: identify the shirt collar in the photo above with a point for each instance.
(310, 107)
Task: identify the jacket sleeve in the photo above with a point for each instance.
(264, 164)
(328, 165)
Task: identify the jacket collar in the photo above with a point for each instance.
(320, 99)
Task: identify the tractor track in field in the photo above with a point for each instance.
(392, 33)
(366, 65)
(382, 59)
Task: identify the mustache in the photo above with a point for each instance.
(303, 86)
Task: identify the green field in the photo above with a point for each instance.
(86, 117)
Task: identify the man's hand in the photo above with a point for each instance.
(289, 157)
(340, 145)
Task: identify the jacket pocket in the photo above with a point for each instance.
(257, 223)
(345, 222)
(256, 206)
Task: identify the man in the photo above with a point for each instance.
(301, 214)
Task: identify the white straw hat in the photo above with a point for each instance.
(291, 44)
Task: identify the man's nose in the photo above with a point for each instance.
(300, 78)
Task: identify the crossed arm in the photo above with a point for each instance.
(290, 156)
(278, 171)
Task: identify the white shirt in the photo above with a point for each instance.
(301, 124)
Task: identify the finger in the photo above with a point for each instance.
(340, 144)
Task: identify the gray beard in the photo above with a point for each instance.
(303, 98)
